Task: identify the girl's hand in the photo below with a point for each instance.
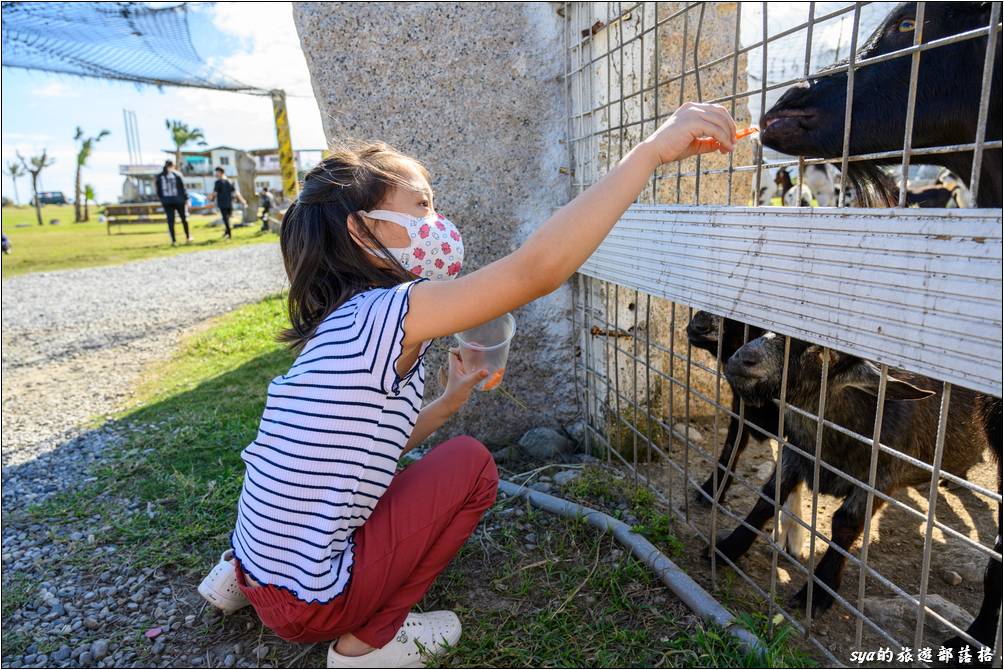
(459, 383)
(686, 132)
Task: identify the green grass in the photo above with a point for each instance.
(17, 590)
(79, 245)
(575, 599)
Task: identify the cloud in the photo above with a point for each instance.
(54, 89)
(25, 139)
(269, 57)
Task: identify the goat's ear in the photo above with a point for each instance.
(865, 377)
(897, 389)
(821, 351)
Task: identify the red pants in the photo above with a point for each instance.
(420, 523)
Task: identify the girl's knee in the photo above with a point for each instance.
(468, 452)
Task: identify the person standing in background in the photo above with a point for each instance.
(265, 198)
(223, 195)
(173, 198)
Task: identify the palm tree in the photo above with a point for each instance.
(182, 135)
(15, 171)
(34, 167)
(83, 153)
(88, 197)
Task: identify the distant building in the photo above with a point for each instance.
(198, 170)
(267, 171)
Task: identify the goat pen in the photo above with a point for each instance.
(897, 288)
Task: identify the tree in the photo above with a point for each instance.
(84, 150)
(88, 197)
(182, 135)
(34, 167)
(15, 171)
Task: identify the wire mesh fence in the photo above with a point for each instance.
(779, 376)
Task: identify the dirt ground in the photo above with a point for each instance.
(896, 550)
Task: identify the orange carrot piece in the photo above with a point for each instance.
(494, 380)
(710, 143)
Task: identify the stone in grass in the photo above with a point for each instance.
(577, 431)
(90, 623)
(565, 476)
(502, 455)
(86, 659)
(62, 653)
(951, 577)
(542, 487)
(229, 661)
(692, 433)
(261, 651)
(99, 649)
(545, 443)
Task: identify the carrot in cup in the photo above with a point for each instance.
(494, 380)
(487, 346)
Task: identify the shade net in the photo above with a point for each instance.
(137, 42)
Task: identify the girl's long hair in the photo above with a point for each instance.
(324, 264)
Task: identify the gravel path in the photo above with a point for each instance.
(75, 344)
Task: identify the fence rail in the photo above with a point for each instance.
(916, 289)
(894, 292)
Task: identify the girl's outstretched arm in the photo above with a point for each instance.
(556, 250)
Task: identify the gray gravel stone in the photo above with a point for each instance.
(577, 431)
(99, 649)
(565, 476)
(545, 443)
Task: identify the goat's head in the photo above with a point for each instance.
(702, 331)
(808, 119)
(756, 369)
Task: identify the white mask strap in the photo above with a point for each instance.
(388, 215)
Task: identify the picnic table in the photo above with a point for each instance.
(141, 212)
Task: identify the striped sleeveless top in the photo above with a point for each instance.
(327, 447)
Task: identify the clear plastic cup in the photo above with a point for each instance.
(487, 346)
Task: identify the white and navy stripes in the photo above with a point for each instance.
(327, 447)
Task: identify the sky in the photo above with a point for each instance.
(252, 42)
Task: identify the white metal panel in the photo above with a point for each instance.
(918, 289)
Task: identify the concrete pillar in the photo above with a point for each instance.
(475, 91)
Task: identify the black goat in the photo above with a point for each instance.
(909, 425)
(702, 332)
(808, 120)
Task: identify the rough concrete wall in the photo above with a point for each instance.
(475, 91)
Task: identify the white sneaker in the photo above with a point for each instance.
(220, 586)
(425, 634)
